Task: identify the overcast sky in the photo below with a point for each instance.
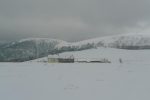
(72, 20)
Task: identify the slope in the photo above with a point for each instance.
(33, 48)
(112, 54)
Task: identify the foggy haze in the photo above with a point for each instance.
(72, 20)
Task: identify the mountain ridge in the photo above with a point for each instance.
(33, 48)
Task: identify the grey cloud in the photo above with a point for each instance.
(72, 20)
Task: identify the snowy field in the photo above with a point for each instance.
(79, 81)
(113, 55)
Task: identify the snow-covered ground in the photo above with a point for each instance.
(80, 81)
(112, 54)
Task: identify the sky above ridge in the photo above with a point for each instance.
(72, 20)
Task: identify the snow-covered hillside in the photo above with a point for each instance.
(112, 54)
(124, 41)
(27, 49)
(33, 48)
(39, 41)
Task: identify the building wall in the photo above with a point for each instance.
(60, 60)
(52, 60)
(67, 60)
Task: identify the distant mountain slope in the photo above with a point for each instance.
(32, 48)
(125, 41)
(27, 49)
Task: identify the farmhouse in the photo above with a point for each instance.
(58, 59)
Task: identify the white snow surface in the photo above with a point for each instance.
(80, 81)
(112, 54)
(130, 39)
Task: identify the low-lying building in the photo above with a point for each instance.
(58, 59)
(71, 59)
